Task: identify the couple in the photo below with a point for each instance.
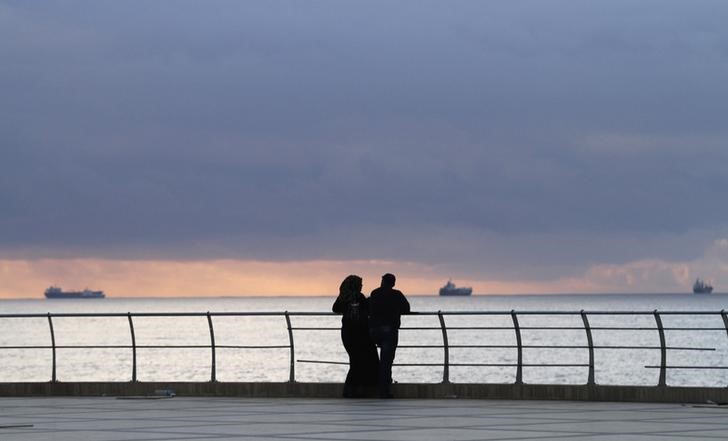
(367, 322)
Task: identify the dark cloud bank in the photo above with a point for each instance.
(491, 136)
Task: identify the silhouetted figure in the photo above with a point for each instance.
(386, 305)
(363, 358)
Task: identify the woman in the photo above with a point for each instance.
(363, 359)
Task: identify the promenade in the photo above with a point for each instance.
(199, 418)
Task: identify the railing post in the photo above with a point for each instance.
(133, 349)
(725, 319)
(54, 379)
(663, 349)
(212, 346)
(446, 370)
(519, 343)
(590, 342)
(292, 377)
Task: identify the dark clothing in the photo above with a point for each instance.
(386, 337)
(386, 305)
(363, 358)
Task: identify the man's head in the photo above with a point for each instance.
(388, 280)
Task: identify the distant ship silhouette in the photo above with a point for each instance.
(55, 292)
(450, 290)
(700, 287)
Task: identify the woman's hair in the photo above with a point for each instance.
(350, 288)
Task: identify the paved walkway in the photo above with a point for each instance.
(183, 418)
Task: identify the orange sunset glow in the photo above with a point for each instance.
(157, 278)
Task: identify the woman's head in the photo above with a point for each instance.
(351, 284)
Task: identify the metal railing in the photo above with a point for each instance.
(446, 364)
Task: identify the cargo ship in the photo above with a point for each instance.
(700, 287)
(55, 292)
(451, 290)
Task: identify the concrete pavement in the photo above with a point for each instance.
(200, 418)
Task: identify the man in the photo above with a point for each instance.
(386, 305)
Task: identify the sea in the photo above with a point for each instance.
(696, 357)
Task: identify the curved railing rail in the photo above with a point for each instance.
(446, 363)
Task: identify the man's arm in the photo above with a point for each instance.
(405, 304)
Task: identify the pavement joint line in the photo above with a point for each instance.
(14, 426)
(540, 424)
(157, 427)
(518, 429)
(470, 439)
(171, 438)
(156, 430)
(661, 432)
(702, 437)
(591, 433)
(540, 420)
(680, 421)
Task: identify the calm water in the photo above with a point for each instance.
(235, 364)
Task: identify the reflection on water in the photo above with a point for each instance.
(242, 363)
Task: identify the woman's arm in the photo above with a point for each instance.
(338, 306)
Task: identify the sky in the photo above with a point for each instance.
(183, 148)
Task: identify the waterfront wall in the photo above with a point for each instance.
(657, 394)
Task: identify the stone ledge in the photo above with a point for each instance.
(401, 390)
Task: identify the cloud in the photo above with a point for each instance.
(236, 277)
(655, 275)
(496, 141)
